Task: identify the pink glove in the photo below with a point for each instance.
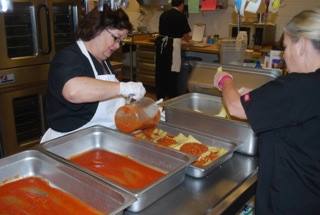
(219, 78)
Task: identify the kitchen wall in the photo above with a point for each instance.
(217, 21)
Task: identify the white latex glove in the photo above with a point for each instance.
(134, 88)
(219, 78)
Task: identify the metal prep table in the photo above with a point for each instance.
(224, 191)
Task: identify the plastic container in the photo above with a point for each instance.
(232, 51)
(210, 40)
(137, 115)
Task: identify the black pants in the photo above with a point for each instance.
(163, 66)
(173, 84)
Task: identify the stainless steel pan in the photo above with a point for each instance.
(98, 137)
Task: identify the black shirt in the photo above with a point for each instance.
(285, 114)
(62, 115)
(173, 23)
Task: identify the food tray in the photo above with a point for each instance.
(93, 192)
(195, 171)
(98, 137)
(198, 112)
(202, 75)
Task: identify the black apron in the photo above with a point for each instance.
(164, 50)
(168, 83)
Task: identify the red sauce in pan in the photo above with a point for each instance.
(204, 161)
(34, 195)
(195, 149)
(166, 141)
(120, 169)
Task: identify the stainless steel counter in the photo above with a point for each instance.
(222, 191)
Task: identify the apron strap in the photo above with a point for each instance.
(164, 42)
(108, 67)
(86, 53)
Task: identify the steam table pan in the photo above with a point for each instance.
(98, 137)
(98, 195)
(198, 112)
(194, 171)
(202, 75)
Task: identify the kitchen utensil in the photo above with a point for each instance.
(136, 115)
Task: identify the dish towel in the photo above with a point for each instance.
(176, 55)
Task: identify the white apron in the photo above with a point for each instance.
(106, 110)
(176, 55)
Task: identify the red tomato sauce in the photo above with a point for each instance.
(127, 120)
(33, 195)
(120, 169)
(130, 118)
(195, 149)
(166, 141)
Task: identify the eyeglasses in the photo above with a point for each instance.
(115, 38)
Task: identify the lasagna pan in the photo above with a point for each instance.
(198, 112)
(208, 140)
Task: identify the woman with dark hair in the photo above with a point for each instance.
(82, 88)
(285, 115)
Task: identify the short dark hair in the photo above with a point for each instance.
(175, 3)
(95, 22)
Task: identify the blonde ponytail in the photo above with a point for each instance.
(305, 24)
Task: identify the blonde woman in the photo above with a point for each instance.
(285, 115)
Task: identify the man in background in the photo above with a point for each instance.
(173, 27)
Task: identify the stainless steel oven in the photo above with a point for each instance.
(21, 107)
(30, 35)
(65, 17)
(35, 29)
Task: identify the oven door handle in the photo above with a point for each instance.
(46, 9)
